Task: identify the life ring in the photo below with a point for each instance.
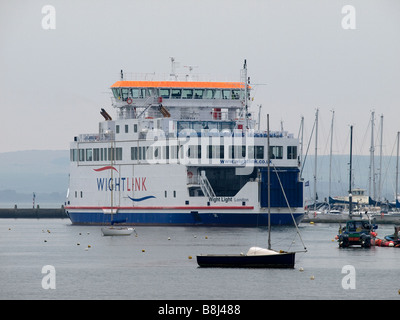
(190, 174)
(129, 100)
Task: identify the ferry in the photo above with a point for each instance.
(183, 152)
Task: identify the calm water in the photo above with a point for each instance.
(116, 267)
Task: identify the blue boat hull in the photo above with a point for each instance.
(183, 219)
(282, 260)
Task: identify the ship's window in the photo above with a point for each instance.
(176, 93)
(292, 152)
(143, 93)
(174, 152)
(218, 94)
(198, 93)
(212, 125)
(76, 194)
(275, 152)
(164, 93)
(134, 153)
(81, 194)
(194, 151)
(237, 152)
(74, 154)
(126, 128)
(81, 154)
(227, 125)
(209, 94)
(117, 128)
(259, 152)
(111, 154)
(149, 153)
(116, 93)
(226, 94)
(235, 94)
(183, 125)
(221, 152)
(118, 154)
(165, 193)
(89, 153)
(125, 93)
(135, 128)
(135, 93)
(187, 93)
(96, 154)
(210, 152)
(157, 153)
(174, 194)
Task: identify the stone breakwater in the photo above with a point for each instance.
(33, 213)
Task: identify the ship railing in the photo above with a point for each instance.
(89, 137)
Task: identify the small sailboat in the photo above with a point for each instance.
(256, 257)
(115, 230)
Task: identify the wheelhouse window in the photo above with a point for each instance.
(235, 94)
(164, 93)
(125, 93)
(135, 93)
(209, 94)
(292, 152)
(187, 93)
(276, 152)
(226, 94)
(116, 93)
(176, 93)
(259, 152)
(198, 93)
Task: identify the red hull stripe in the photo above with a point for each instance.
(105, 168)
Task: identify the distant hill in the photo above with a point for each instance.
(45, 173)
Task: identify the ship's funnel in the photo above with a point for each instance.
(105, 114)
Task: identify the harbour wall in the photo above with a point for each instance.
(33, 213)
(342, 218)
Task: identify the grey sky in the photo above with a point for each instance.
(54, 82)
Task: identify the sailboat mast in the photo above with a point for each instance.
(330, 158)
(350, 173)
(316, 156)
(380, 162)
(397, 168)
(371, 160)
(269, 187)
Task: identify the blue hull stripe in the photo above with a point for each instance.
(141, 199)
(184, 219)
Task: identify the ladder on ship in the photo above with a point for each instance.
(205, 185)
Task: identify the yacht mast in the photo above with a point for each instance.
(269, 187)
(330, 158)
(350, 172)
(371, 160)
(397, 168)
(315, 164)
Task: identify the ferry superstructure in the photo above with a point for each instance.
(183, 153)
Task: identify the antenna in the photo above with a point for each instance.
(173, 66)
